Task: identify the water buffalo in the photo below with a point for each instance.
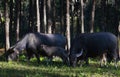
(31, 42)
(51, 51)
(90, 45)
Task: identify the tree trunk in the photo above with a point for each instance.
(38, 16)
(72, 19)
(116, 6)
(49, 16)
(18, 3)
(44, 16)
(119, 38)
(93, 16)
(82, 17)
(68, 23)
(7, 43)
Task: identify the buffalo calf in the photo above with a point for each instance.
(51, 51)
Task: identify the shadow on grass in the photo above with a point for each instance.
(31, 69)
(43, 63)
(56, 69)
(27, 73)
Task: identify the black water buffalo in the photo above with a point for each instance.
(31, 42)
(51, 51)
(101, 44)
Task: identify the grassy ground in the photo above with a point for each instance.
(55, 69)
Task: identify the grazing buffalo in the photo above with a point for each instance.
(32, 42)
(90, 45)
(51, 51)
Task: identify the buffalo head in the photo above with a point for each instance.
(7, 55)
(12, 54)
(73, 58)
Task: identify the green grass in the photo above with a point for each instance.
(55, 69)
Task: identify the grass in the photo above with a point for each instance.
(55, 69)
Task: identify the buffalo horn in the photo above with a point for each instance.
(79, 54)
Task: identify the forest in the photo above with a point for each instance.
(69, 18)
(66, 17)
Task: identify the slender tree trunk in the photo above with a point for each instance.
(44, 16)
(82, 17)
(7, 43)
(49, 16)
(72, 19)
(38, 16)
(18, 2)
(0, 18)
(116, 5)
(93, 16)
(119, 38)
(68, 22)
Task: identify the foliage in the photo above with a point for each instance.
(56, 69)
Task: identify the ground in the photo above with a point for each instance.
(55, 69)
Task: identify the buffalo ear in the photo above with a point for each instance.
(79, 54)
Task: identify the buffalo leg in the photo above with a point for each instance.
(29, 55)
(115, 57)
(87, 61)
(64, 58)
(103, 60)
(49, 60)
(38, 57)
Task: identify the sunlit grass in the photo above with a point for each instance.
(55, 69)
